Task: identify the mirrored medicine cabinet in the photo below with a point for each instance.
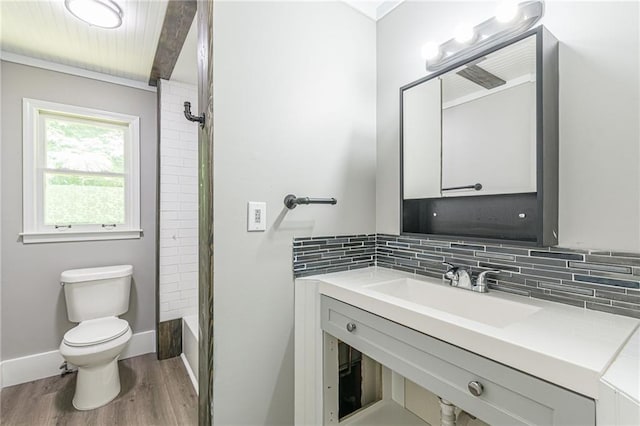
(479, 145)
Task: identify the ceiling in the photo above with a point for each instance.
(46, 31)
(509, 63)
(374, 9)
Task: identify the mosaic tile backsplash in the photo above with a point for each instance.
(319, 255)
(599, 280)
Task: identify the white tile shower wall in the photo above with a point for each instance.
(178, 277)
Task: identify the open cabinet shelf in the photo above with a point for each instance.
(384, 413)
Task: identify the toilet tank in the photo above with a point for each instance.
(97, 292)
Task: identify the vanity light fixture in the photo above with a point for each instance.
(464, 34)
(430, 51)
(511, 19)
(506, 11)
(98, 13)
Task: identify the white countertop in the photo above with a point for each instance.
(624, 372)
(566, 345)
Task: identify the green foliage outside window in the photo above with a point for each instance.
(90, 196)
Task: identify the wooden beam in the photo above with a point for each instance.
(481, 77)
(177, 21)
(206, 280)
(169, 339)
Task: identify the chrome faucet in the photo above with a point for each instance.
(459, 277)
(481, 282)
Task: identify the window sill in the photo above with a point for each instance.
(67, 236)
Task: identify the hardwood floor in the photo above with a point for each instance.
(153, 393)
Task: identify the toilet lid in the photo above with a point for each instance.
(92, 332)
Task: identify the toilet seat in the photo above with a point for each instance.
(96, 331)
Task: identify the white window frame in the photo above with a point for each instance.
(33, 162)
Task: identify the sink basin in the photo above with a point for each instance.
(480, 307)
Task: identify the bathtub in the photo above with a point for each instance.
(190, 347)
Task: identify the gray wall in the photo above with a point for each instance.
(599, 109)
(34, 315)
(294, 95)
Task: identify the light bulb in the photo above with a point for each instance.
(506, 11)
(464, 33)
(430, 51)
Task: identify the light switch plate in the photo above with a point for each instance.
(256, 216)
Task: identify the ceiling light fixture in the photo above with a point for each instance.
(98, 13)
(511, 19)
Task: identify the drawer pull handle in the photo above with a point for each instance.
(475, 388)
(351, 327)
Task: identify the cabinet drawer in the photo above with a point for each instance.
(509, 397)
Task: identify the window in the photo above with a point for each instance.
(81, 177)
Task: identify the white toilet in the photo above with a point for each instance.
(95, 297)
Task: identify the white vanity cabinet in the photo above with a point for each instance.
(542, 368)
(504, 396)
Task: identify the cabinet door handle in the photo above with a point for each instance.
(351, 327)
(475, 388)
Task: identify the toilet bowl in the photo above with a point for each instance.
(95, 296)
(96, 356)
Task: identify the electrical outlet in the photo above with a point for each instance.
(256, 216)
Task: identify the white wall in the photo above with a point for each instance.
(599, 110)
(294, 102)
(178, 289)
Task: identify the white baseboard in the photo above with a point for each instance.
(47, 364)
(140, 344)
(31, 367)
(192, 376)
